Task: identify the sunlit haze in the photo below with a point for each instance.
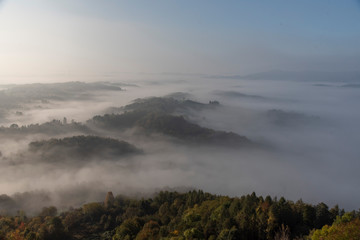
(88, 39)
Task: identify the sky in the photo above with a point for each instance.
(42, 40)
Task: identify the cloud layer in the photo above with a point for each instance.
(310, 134)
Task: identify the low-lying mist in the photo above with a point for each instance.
(305, 139)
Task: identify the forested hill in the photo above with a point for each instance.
(82, 147)
(192, 215)
(52, 128)
(168, 116)
(164, 115)
(167, 105)
(174, 126)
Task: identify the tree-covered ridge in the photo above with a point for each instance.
(174, 126)
(117, 121)
(173, 215)
(167, 105)
(153, 115)
(53, 127)
(160, 114)
(179, 127)
(82, 147)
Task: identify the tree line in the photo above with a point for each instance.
(191, 215)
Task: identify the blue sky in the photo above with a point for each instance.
(198, 36)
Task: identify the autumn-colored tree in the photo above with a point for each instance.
(344, 228)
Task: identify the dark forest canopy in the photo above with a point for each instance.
(73, 153)
(174, 126)
(162, 115)
(165, 105)
(165, 115)
(82, 147)
(53, 127)
(174, 103)
(192, 215)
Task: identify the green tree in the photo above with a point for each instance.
(93, 210)
(128, 229)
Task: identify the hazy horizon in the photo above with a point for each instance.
(48, 41)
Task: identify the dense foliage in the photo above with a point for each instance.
(174, 126)
(165, 105)
(54, 127)
(164, 115)
(192, 215)
(82, 147)
(344, 227)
